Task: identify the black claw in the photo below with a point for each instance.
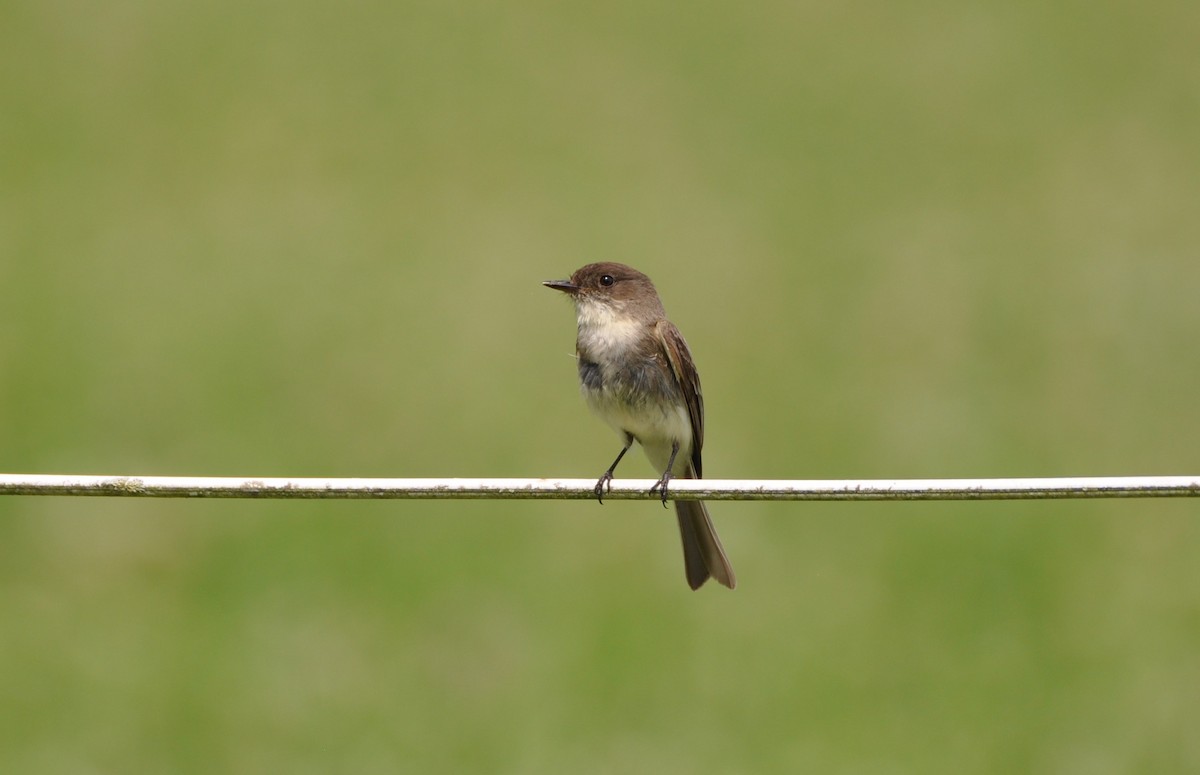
(666, 477)
(600, 485)
(662, 483)
(608, 475)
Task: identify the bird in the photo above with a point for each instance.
(637, 374)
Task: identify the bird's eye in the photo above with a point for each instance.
(607, 279)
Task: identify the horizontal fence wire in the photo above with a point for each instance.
(622, 489)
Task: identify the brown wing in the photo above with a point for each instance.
(684, 369)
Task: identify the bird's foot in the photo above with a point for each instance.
(661, 485)
(604, 485)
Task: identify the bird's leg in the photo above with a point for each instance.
(606, 479)
(667, 475)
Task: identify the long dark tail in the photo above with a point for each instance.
(702, 553)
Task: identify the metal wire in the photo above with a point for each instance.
(584, 489)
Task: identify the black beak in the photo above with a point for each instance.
(565, 286)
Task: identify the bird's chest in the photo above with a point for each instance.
(623, 362)
(629, 385)
(635, 378)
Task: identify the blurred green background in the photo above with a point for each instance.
(904, 240)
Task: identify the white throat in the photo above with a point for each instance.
(605, 329)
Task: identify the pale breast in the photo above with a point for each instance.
(605, 334)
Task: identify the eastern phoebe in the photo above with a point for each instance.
(638, 376)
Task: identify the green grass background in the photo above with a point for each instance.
(904, 240)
